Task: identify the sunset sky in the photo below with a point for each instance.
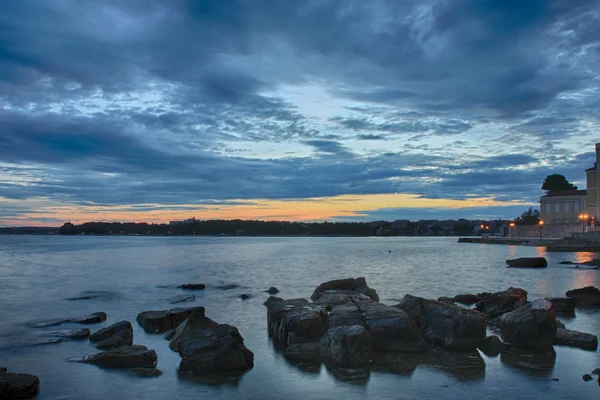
(151, 110)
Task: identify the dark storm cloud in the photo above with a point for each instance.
(124, 102)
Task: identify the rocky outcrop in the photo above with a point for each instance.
(347, 345)
(498, 303)
(466, 299)
(528, 262)
(117, 335)
(453, 327)
(208, 347)
(562, 305)
(533, 325)
(126, 357)
(566, 337)
(346, 286)
(193, 286)
(86, 319)
(18, 386)
(164, 320)
(588, 296)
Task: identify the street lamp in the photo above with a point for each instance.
(583, 218)
(541, 228)
(512, 227)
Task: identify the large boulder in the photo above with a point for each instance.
(276, 309)
(18, 386)
(216, 349)
(498, 303)
(566, 337)
(348, 286)
(585, 297)
(116, 335)
(528, 262)
(196, 322)
(164, 320)
(562, 305)
(123, 357)
(533, 325)
(453, 327)
(347, 345)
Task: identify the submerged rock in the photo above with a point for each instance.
(528, 262)
(451, 326)
(244, 296)
(146, 372)
(181, 299)
(566, 337)
(228, 287)
(126, 357)
(536, 361)
(95, 295)
(18, 386)
(164, 320)
(347, 286)
(585, 297)
(587, 377)
(193, 286)
(83, 333)
(498, 303)
(115, 335)
(86, 319)
(533, 325)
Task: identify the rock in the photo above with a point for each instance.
(567, 262)
(451, 326)
(272, 300)
(3, 370)
(587, 377)
(146, 372)
(72, 333)
(533, 325)
(95, 295)
(347, 345)
(595, 372)
(498, 303)
(126, 357)
(116, 335)
(244, 296)
(528, 262)
(18, 386)
(562, 305)
(560, 324)
(272, 290)
(181, 299)
(570, 338)
(214, 350)
(276, 309)
(536, 361)
(164, 320)
(90, 319)
(466, 299)
(197, 321)
(490, 346)
(447, 300)
(169, 334)
(193, 286)
(348, 286)
(392, 329)
(585, 297)
(228, 287)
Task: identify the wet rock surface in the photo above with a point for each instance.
(467, 299)
(208, 347)
(528, 262)
(345, 286)
(533, 325)
(116, 335)
(164, 320)
(498, 303)
(533, 361)
(562, 305)
(86, 319)
(347, 345)
(566, 337)
(588, 296)
(181, 299)
(126, 357)
(448, 325)
(18, 386)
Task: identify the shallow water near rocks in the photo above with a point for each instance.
(41, 279)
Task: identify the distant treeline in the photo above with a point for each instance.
(260, 228)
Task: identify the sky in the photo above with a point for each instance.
(151, 110)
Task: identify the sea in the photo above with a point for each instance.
(124, 275)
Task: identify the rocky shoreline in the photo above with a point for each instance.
(345, 327)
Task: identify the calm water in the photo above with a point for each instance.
(39, 274)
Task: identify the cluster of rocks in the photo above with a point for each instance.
(346, 325)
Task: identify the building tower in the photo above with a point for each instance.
(593, 183)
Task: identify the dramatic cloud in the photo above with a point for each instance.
(149, 109)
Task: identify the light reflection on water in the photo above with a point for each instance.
(126, 275)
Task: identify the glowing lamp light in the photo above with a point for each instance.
(512, 224)
(541, 222)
